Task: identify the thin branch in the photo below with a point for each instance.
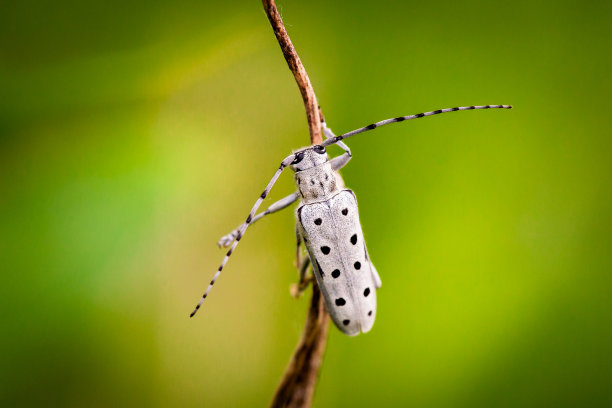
(299, 380)
(298, 70)
(298, 383)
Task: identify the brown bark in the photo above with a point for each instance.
(299, 380)
(298, 70)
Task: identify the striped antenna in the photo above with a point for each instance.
(286, 162)
(403, 118)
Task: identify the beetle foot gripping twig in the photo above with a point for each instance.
(305, 279)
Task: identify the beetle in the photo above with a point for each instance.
(329, 227)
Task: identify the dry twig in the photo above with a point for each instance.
(298, 70)
(299, 380)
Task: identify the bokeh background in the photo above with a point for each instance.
(134, 134)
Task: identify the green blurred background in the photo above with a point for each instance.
(134, 134)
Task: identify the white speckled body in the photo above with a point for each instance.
(348, 281)
(328, 224)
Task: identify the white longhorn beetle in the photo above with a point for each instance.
(328, 225)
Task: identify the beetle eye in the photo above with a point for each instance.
(319, 149)
(298, 158)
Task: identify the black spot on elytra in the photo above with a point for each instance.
(346, 322)
(345, 211)
(326, 176)
(340, 302)
(312, 182)
(357, 265)
(354, 239)
(335, 273)
(318, 221)
(366, 292)
(325, 250)
(370, 313)
(372, 126)
(420, 115)
(400, 119)
(438, 111)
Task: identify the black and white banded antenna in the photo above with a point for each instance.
(335, 140)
